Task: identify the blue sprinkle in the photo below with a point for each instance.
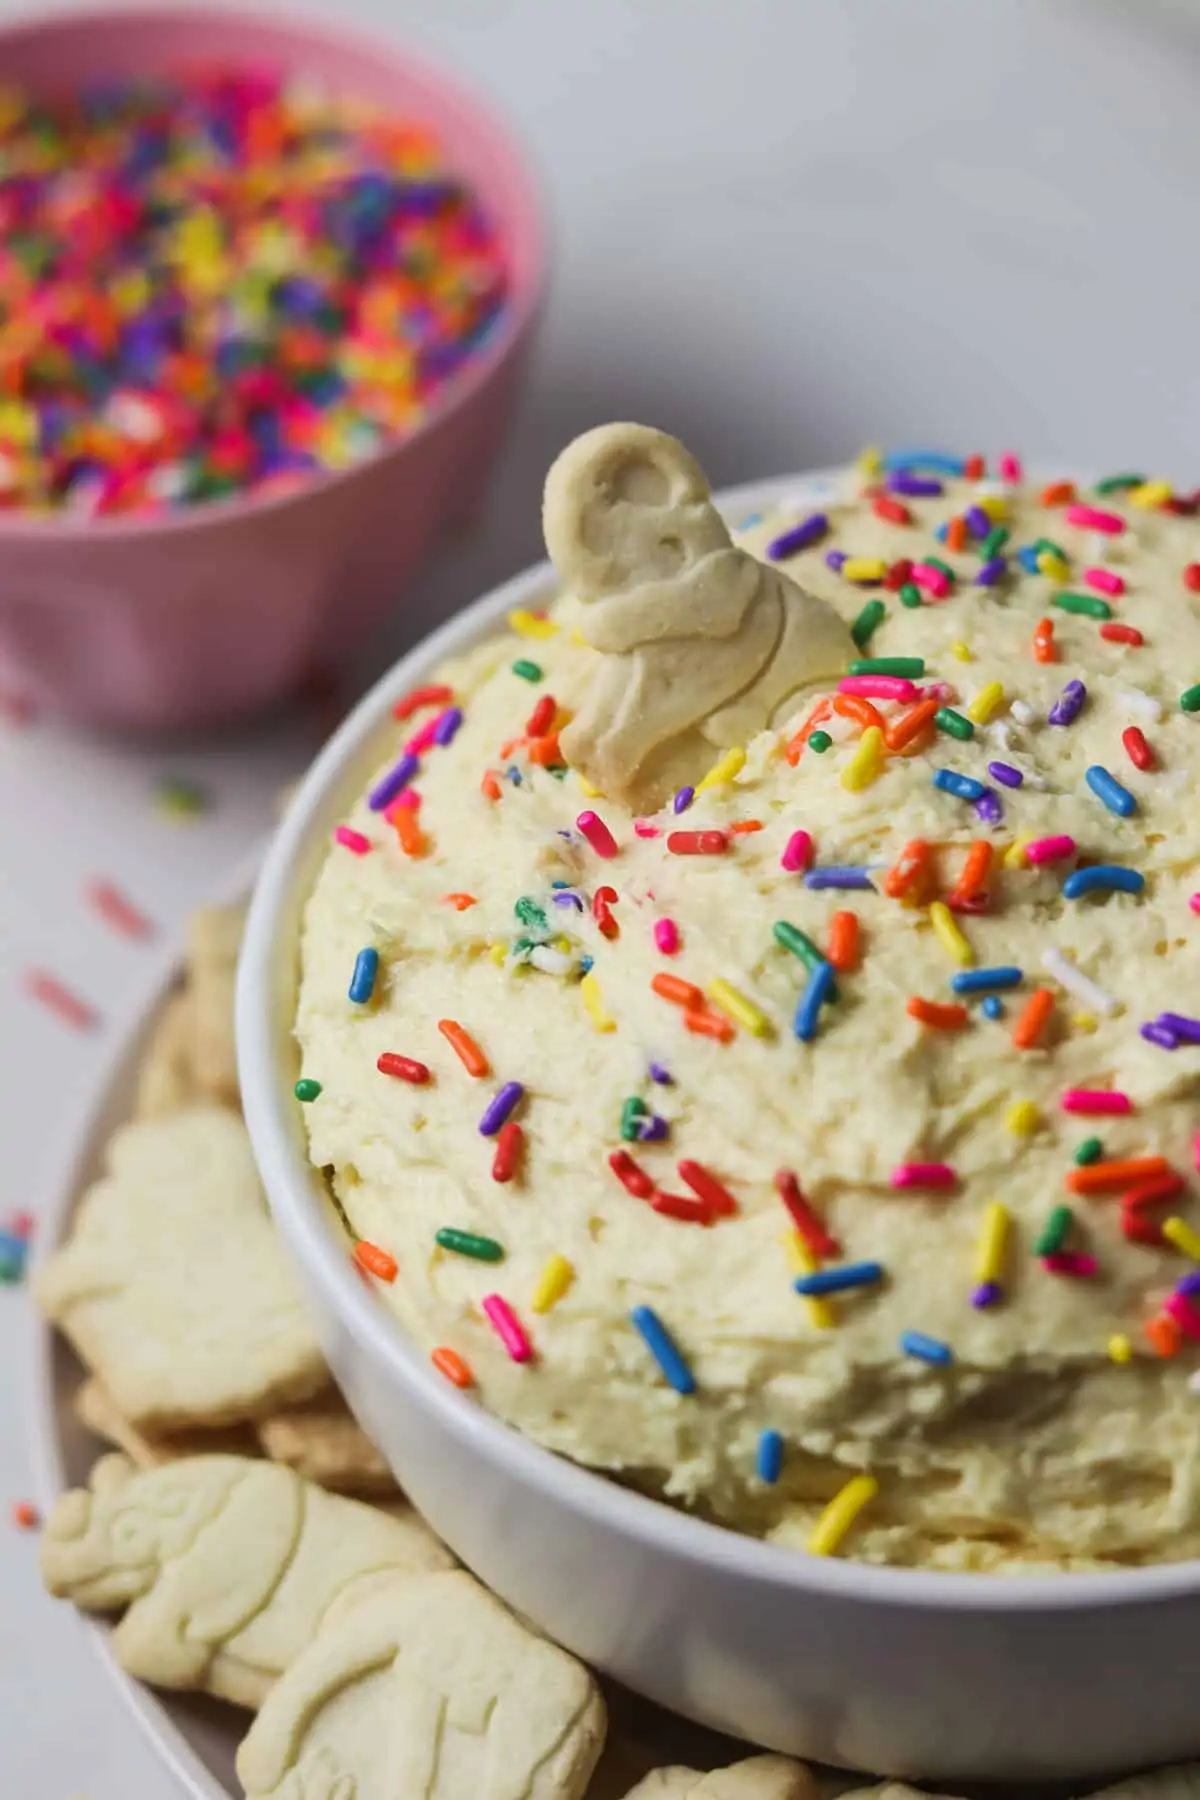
(663, 1076)
(942, 532)
(937, 461)
(816, 993)
(500, 1107)
(993, 1007)
(982, 981)
(683, 799)
(1027, 557)
(749, 520)
(836, 1280)
(989, 573)
(393, 783)
(585, 963)
(14, 1250)
(809, 531)
(447, 725)
(1101, 876)
(514, 775)
(929, 1349)
(663, 1349)
(768, 1464)
(1106, 787)
(965, 787)
(840, 875)
(1005, 774)
(362, 982)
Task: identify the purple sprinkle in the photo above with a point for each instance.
(565, 897)
(447, 724)
(1005, 774)
(978, 523)
(393, 783)
(683, 799)
(989, 807)
(991, 572)
(1069, 705)
(663, 1076)
(834, 560)
(499, 1107)
(652, 1130)
(1189, 1284)
(986, 1294)
(840, 875)
(1162, 1035)
(800, 537)
(1185, 1029)
(916, 487)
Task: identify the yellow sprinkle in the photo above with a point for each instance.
(577, 638)
(869, 461)
(993, 1242)
(803, 1261)
(1085, 1021)
(1180, 1233)
(1014, 856)
(863, 568)
(950, 936)
(562, 943)
(994, 505)
(840, 1514)
(593, 1002)
(1023, 1118)
(589, 788)
(497, 952)
(527, 624)
(864, 766)
(553, 1282)
(962, 651)
(1151, 493)
(743, 1012)
(724, 769)
(986, 702)
(1120, 1350)
(1053, 566)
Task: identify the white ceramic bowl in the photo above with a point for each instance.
(904, 1672)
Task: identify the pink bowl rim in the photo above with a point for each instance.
(526, 294)
(291, 1186)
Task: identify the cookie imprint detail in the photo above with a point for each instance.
(701, 645)
(758, 1778)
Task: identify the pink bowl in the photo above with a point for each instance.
(217, 610)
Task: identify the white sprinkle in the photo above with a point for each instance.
(550, 962)
(1023, 713)
(993, 490)
(1079, 984)
(1142, 703)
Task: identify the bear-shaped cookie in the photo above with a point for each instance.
(758, 1778)
(227, 1565)
(700, 644)
(427, 1687)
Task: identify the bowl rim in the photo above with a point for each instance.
(525, 295)
(291, 1186)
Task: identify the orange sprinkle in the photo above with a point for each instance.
(408, 829)
(544, 751)
(817, 716)
(460, 902)
(1035, 1016)
(956, 534)
(1044, 648)
(1164, 1334)
(464, 1047)
(901, 730)
(842, 947)
(911, 870)
(972, 881)
(450, 1364)
(680, 993)
(1059, 493)
(743, 825)
(1100, 1177)
(489, 786)
(25, 1515)
(853, 706)
(375, 1261)
(510, 746)
(708, 1024)
(938, 1018)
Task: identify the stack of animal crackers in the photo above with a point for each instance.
(248, 1534)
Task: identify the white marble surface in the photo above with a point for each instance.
(782, 229)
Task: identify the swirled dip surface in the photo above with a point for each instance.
(1056, 1426)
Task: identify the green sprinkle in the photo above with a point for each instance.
(306, 1089)
(1087, 604)
(1052, 547)
(994, 542)
(467, 1243)
(868, 622)
(908, 667)
(1189, 700)
(530, 914)
(801, 945)
(1054, 1232)
(528, 671)
(910, 595)
(633, 1110)
(933, 562)
(819, 741)
(1088, 1150)
(955, 723)
(180, 799)
(1114, 484)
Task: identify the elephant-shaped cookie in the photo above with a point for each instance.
(700, 645)
(227, 1565)
(427, 1687)
(758, 1778)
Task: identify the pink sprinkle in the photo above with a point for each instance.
(507, 1327)
(931, 579)
(797, 852)
(422, 740)
(1009, 466)
(645, 829)
(351, 839)
(408, 798)
(666, 936)
(1070, 1262)
(1095, 1100)
(1090, 518)
(1050, 849)
(923, 1175)
(1184, 1314)
(119, 911)
(597, 834)
(1104, 581)
(945, 691)
(878, 687)
(1194, 902)
(57, 998)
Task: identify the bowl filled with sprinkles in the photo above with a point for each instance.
(265, 297)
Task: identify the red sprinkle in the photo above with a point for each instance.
(696, 843)
(602, 900)
(50, 992)
(1141, 1230)
(408, 704)
(542, 717)
(25, 1515)
(510, 1143)
(1136, 748)
(1115, 633)
(804, 1217)
(898, 575)
(117, 911)
(630, 1174)
(406, 1067)
(1155, 1192)
(1191, 578)
(679, 1206)
(974, 469)
(714, 1194)
(894, 511)
(375, 1261)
